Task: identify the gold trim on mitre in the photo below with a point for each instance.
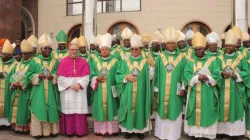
(245, 36)
(157, 37)
(145, 38)
(237, 31)
(126, 33)
(171, 35)
(33, 41)
(97, 39)
(181, 36)
(105, 40)
(45, 40)
(136, 41)
(26, 46)
(7, 47)
(82, 41)
(231, 38)
(74, 41)
(199, 40)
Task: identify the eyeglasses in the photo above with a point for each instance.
(135, 49)
(47, 49)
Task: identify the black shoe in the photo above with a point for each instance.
(70, 136)
(97, 134)
(140, 136)
(234, 138)
(127, 136)
(115, 134)
(53, 135)
(220, 136)
(18, 132)
(79, 136)
(37, 137)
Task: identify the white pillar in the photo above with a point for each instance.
(90, 20)
(240, 14)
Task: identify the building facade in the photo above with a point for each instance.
(142, 16)
(19, 19)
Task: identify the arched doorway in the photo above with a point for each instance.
(27, 24)
(197, 26)
(229, 27)
(75, 31)
(118, 27)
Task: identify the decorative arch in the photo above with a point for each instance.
(29, 23)
(75, 31)
(118, 26)
(229, 27)
(197, 25)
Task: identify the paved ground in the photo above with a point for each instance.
(10, 135)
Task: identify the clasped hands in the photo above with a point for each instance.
(17, 85)
(227, 75)
(42, 76)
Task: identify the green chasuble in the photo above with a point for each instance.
(8, 69)
(123, 53)
(85, 56)
(144, 53)
(242, 50)
(115, 48)
(248, 98)
(168, 72)
(232, 93)
(202, 102)
(105, 99)
(89, 89)
(135, 105)
(60, 54)
(185, 50)
(44, 99)
(190, 54)
(19, 112)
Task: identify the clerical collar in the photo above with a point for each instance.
(62, 50)
(184, 49)
(27, 60)
(127, 49)
(105, 58)
(83, 54)
(114, 46)
(8, 61)
(136, 57)
(213, 52)
(201, 57)
(232, 54)
(171, 52)
(146, 49)
(156, 53)
(92, 51)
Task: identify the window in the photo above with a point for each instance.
(118, 27)
(197, 26)
(74, 7)
(108, 6)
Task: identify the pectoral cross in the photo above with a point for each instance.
(74, 70)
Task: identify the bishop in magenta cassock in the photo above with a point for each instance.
(73, 78)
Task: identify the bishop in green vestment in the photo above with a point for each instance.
(235, 73)
(105, 97)
(168, 74)
(125, 50)
(62, 50)
(19, 113)
(202, 75)
(213, 49)
(133, 81)
(7, 69)
(115, 45)
(44, 100)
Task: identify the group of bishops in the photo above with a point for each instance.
(44, 92)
